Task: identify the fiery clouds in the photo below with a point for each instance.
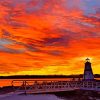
(48, 36)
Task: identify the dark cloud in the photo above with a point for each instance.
(5, 33)
(55, 53)
(32, 48)
(60, 41)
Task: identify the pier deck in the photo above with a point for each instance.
(46, 86)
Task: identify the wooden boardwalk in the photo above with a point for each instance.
(44, 86)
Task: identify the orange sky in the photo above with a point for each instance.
(49, 36)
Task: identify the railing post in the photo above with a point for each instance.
(25, 86)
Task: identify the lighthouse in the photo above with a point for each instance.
(88, 73)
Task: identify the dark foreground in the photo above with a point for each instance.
(68, 95)
(79, 95)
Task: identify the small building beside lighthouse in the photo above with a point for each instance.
(88, 73)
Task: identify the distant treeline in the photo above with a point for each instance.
(45, 76)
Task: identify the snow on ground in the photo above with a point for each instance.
(29, 97)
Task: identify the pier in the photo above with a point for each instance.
(41, 86)
(46, 86)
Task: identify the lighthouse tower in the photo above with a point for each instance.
(88, 73)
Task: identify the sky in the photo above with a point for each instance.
(49, 37)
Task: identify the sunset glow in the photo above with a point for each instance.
(49, 37)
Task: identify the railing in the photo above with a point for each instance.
(40, 86)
